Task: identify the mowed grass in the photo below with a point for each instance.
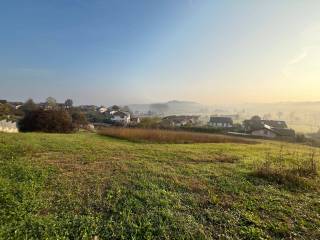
(167, 136)
(87, 186)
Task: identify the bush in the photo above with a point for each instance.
(301, 138)
(53, 121)
(150, 122)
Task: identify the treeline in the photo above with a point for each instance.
(44, 117)
(53, 121)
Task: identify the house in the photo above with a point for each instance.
(220, 122)
(8, 126)
(180, 121)
(271, 132)
(16, 105)
(103, 109)
(120, 117)
(255, 123)
(275, 124)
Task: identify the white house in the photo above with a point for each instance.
(8, 126)
(120, 117)
(102, 109)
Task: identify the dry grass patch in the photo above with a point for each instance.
(292, 174)
(167, 136)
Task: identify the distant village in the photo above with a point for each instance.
(122, 116)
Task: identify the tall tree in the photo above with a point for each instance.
(29, 105)
(51, 102)
(68, 103)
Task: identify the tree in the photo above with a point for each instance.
(6, 111)
(51, 102)
(53, 121)
(150, 122)
(79, 120)
(28, 106)
(256, 118)
(68, 103)
(115, 108)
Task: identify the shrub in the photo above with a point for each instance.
(150, 122)
(58, 121)
(301, 138)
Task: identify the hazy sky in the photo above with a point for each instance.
(125, 51)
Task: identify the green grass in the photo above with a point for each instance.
(78, 186)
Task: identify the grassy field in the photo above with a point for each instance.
(87, 186)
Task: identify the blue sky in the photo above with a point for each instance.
(124, 51)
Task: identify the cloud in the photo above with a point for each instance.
(310, 38)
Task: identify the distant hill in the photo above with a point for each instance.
(170, 107)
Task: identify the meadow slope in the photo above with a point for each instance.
(86, 186)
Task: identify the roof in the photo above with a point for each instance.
(180, 118)
(284, 132)
(274, 123)
(281, 132)
(221, 120)
(121, 114)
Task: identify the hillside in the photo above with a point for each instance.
(172, 107)
(86, 186)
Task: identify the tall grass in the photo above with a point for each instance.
(167, 136)
(293, 174)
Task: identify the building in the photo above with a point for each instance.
(275, 124)
(255, 123)
(120, 117)
(8, 126)
(220, 122)
(270, 132)
(180, 121)
(103, 109)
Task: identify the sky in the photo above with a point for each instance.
(122, 51)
